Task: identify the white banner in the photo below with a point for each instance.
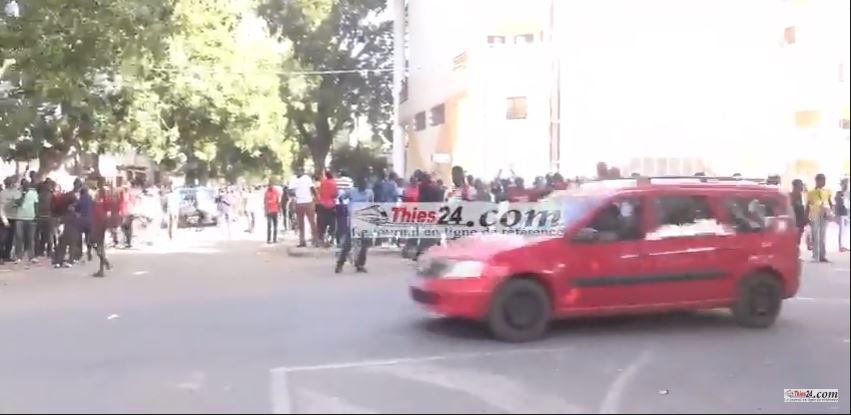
(453, 220)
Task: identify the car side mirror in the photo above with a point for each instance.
(585, 235)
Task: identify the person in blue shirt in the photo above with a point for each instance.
(84, 210)
(360, 193)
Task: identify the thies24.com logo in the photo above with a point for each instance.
(810, 395)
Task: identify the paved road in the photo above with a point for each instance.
(239, 327)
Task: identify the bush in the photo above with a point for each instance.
(357, 160)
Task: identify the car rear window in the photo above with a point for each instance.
(753, 213)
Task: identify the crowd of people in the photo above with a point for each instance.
(38, 219)
(322, 202)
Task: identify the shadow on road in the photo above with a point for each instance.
(679, 321)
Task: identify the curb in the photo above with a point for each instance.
(330, 252)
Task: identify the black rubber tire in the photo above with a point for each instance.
(754, 289)
(499, 322)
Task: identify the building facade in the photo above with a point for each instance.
(550, 85)
(814, 40)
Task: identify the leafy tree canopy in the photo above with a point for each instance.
(346, 51)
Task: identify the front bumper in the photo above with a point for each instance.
(464, 298)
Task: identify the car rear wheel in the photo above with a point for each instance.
(520, 311)
(759, 300)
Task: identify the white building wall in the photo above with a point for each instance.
(694, 81)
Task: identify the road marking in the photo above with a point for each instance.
(313, 402)
(823, 300)
(280, 392)
(614, 394)
(496, 390)
(396, 361)
(843, 270)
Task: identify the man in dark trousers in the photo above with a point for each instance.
(272, 207)
(66, 210)
(45, 222)
(100, 220)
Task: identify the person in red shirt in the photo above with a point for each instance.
(411, 193)
(325, 210)
(125, 219)
(272, 206)
(102, 209)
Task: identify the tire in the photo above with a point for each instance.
(520, 311)
(759, 301)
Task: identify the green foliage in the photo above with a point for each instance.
(357, 160)
(213, 100)
(61, 56)
(186, 82)
(329, 35)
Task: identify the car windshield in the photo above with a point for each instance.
(573, 205)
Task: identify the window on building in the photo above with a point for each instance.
(420, 121)
(403, 91)
(496, 40)
(459, 62)
(683, 217)
(789, 35)
(516, 108)
(438, 115)
(524, 39)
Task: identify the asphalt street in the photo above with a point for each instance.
(241, 327)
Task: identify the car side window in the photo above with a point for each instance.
(684, 216)
(619, 221)
(752, 214)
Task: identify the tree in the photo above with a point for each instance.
(212, 102)
(58, 56)
(357, 160)
(344, 52)
(191, 83)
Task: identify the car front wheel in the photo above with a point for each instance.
(758, 302)
(520, 311)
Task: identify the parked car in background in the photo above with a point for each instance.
(198, 206)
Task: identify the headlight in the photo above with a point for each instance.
(464, 269)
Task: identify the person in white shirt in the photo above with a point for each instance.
(302, 188)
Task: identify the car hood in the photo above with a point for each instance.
(480, 247)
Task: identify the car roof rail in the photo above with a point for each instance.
(707, 179)
(645, 180)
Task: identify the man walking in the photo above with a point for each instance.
(101, 210)
(172, 206)
(797, 199)
(819, 210)
(272, 207)
(65, 209)
(45, 224)
(361, 193)
(25, 225)
(304, 192)
(8, 215)
(841, 210)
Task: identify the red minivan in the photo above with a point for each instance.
(634, 245)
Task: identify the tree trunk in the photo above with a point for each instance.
(96, 164)
(321, 144)
(49, 160)
(319, 154)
